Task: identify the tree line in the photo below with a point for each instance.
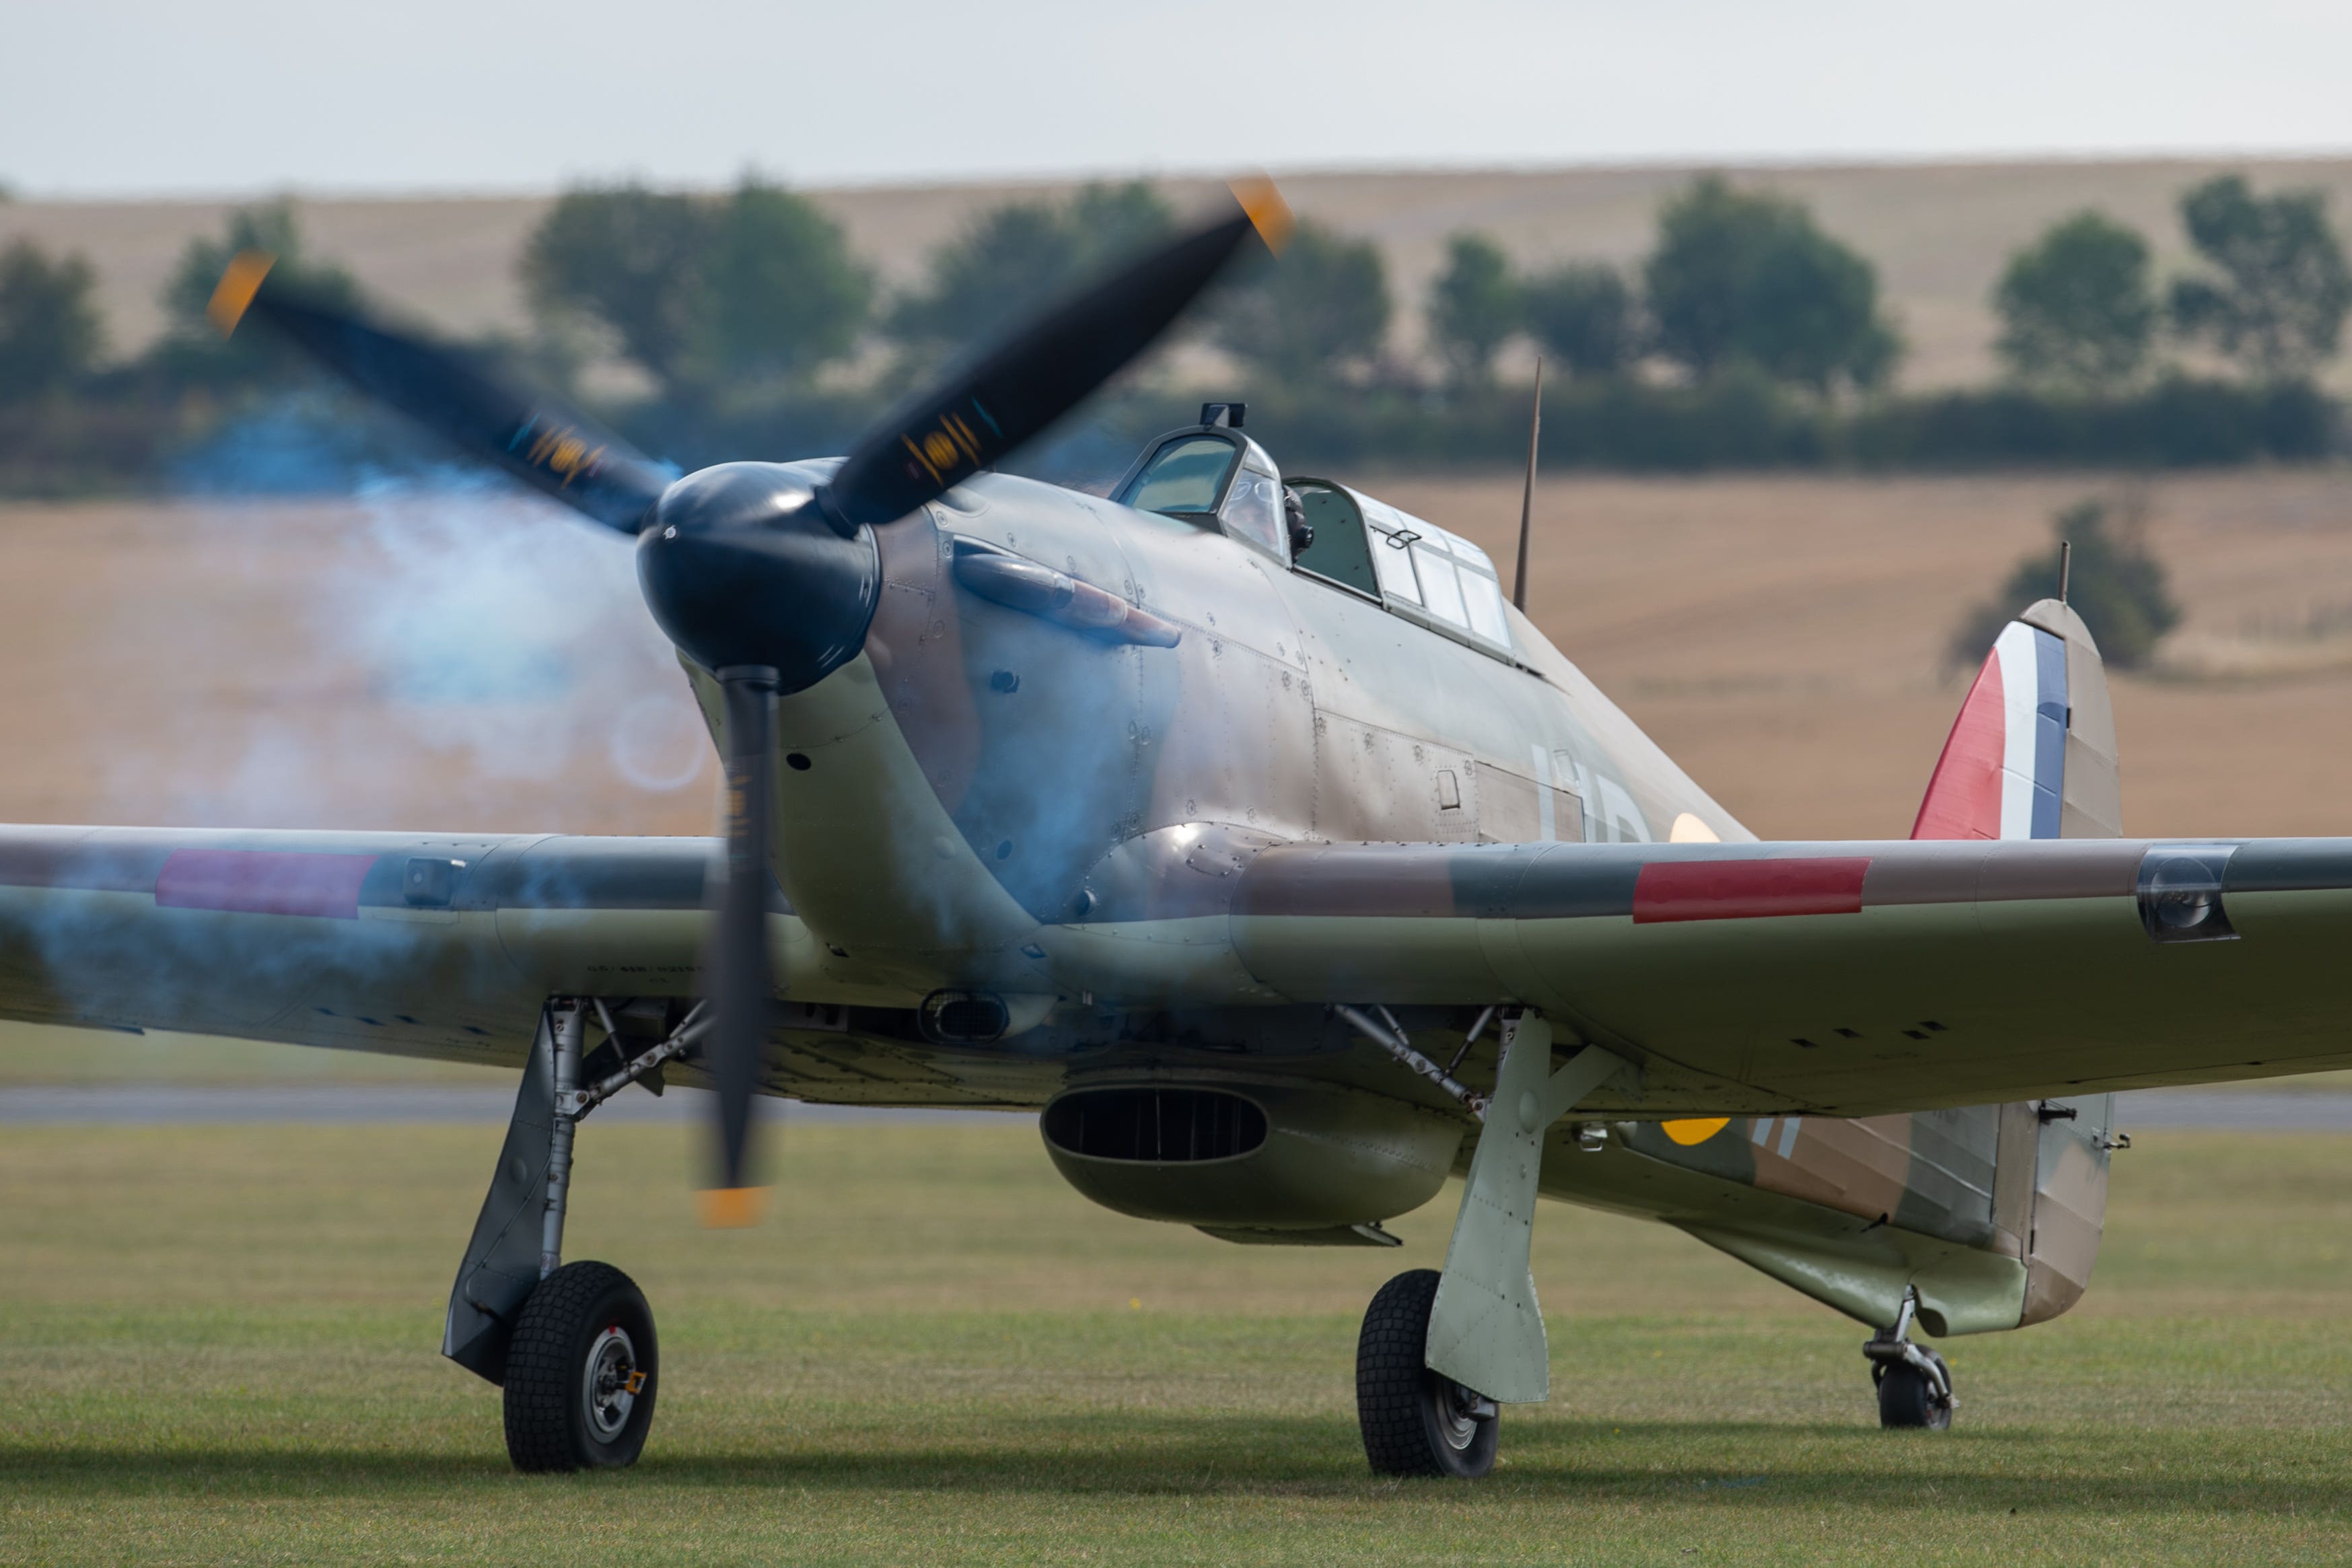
(1747, 335)
(761, 288)
(2081, 308)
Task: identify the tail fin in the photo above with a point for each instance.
(2033, 755)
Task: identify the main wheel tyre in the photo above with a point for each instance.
(1416, 1421)
(1907, 1396)
(582, 1372)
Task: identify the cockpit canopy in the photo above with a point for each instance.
(1215, 476)
(1415, 567)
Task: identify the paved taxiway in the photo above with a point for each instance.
(2239, 1110)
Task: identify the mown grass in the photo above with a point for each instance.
(219, 1344)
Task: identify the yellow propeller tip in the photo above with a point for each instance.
(1267, 212)
(239, 282)
(728, 1208)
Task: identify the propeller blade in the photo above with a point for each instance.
(742, 979)
(999, 400)
(554, 449)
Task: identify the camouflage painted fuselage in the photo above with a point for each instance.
(1116, 792)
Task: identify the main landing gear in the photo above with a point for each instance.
(580, 1372)
(1416, 1421)
(1915, 1386)
(573, 1345)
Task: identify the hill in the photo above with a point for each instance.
(1938, 232)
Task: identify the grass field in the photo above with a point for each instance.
(220, 1348)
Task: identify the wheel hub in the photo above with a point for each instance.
(609, 1391)
(1457, 1423)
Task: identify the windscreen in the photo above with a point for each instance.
(1183, 476)
(1254, 513)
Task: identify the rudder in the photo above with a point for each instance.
(2033, 754)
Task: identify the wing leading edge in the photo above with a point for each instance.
(408, 945)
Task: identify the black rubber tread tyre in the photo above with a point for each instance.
(562, 1334)
(1906, 1398)
(1411, 1416)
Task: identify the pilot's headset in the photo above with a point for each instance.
(1294, 514)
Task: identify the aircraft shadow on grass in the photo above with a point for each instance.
(1241, 1456)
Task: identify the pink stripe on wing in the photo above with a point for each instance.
(263, 882)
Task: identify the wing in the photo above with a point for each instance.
(1844, 978)
(436, 946)
(405, 944)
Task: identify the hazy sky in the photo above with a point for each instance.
(120, 97)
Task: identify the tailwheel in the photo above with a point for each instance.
(1911, 1396)
(1416, 1421)
(582, 1372)
(1915, 1384)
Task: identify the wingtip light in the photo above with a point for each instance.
(240, 280)
(730, 1208)
(1267, 212)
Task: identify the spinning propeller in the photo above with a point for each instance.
(760, 576)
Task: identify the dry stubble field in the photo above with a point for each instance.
(436, 663)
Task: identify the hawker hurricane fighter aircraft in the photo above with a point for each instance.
(1238, 825)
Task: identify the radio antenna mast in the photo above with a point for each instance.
(1528, 496)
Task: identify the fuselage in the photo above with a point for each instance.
(983, 770)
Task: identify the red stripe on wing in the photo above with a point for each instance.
(263, 882)
(1745, 889)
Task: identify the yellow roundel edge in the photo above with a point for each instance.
(1697, 1130)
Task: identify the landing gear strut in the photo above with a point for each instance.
(1915, 1386)
(1416, 1421)
(572, 1344)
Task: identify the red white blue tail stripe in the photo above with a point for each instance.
(2003, 770)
